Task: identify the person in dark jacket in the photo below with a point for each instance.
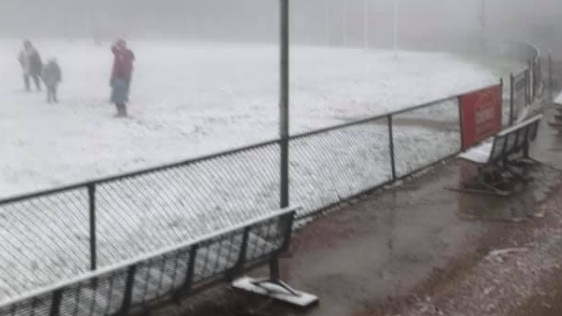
(121, 76)
(31, 64)
(52, 76)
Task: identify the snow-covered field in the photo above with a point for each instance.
(190, 99)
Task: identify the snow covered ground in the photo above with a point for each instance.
(190, 99)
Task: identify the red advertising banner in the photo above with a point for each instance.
(481, 115)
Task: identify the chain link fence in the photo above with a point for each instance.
(158, 277)
(43, 239)
(149, 211)
(333, 165)
(519, 94)
(52, 237)
(56, 235)
(426, 135)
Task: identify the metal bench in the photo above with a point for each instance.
(173, 273)
(499, 159)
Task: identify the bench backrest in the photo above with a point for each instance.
(515, 139)
(160, 276)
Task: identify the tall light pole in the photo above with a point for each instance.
(284, 101)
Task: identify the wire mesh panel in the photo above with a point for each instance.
(43, 240)
(506, 104)
(153, 210)
(519, 94)
(266, 238)
(522, 136)
(161, 276)
(217, 255)
(35, 306)
(511, 143)
(537, 77)
(426, 135)
(498, 148)
(329, 167)
(102, 295)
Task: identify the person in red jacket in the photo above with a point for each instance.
(121, 76)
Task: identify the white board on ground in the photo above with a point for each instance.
(280, 293)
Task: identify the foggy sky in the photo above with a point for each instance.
(314, 21)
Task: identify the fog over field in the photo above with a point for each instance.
(333, 22)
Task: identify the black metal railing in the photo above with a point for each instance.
(527, 85)
(163, 275)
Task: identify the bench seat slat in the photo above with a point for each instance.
(479, 154)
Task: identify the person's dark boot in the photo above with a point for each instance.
(121, 110)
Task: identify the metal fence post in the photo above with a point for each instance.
(55, 303)
(238, 268)
(550, 79)
(461, 125)
(511, 99)
(287, 226)
(284, 102)
(93, 238)
(527, 93)
(128, 290)
(274, 271)
(190, 268)
(538, 78)
(531, 81)
(391, 147)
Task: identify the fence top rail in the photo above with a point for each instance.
(85, 184)
(128, 263)
(384, 115)
(520, 125)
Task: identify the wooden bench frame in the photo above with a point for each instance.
(499, 158)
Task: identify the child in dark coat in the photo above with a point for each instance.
(52, 76)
